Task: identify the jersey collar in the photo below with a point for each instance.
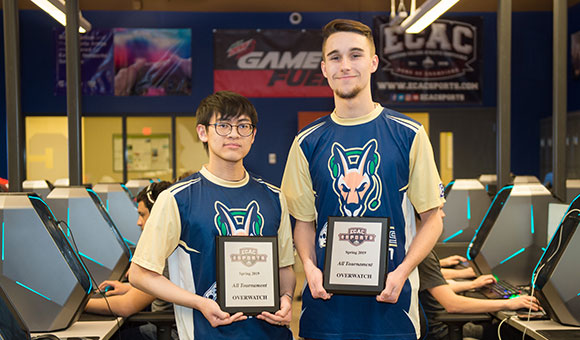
(222, 182)
(359, 120)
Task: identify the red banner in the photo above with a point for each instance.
(269, 63)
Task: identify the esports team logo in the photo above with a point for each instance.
(238, 222)
(356, 236)
(354, 172)
(248, 257)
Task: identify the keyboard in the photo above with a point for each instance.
(500, 290)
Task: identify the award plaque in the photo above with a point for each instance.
(356, 255)
(247, 274)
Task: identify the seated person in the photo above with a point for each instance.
(450, 273)
(122, 298)
(436, 295)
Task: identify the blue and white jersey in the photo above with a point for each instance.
(378, 165)
(183, 225)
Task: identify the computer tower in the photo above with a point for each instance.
(489, 181)
(556, 275)
(136, 185)
(41, 187)
(40, 270)
(92, 230)
(120, 205)
(466, 204)
(510, 238)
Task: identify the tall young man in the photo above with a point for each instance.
(188, 216)
(363, 160)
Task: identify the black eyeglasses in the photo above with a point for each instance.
(224, 129)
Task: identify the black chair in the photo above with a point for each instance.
(163, 320)
(455, 322)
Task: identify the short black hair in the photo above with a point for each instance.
(150, 193)
(346, 25)
(228, 105)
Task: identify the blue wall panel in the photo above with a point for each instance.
(531, 77)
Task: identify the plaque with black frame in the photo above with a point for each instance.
(247, 274)
(356, 255)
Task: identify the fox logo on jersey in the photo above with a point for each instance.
(355, 180)
(239, 222)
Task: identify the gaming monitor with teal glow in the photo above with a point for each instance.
(40, 270)
(466, 202)
(510, 239)
(556, 275)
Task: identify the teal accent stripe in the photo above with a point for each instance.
(32, 290)
(452, 236)
(99, 198)
(107, 205)
(127, 241)
(67, 222)
(484, 217)
(468, 209)
(532, 217)
(2, 241)
(95, 261)
(513, 255)
(450, 183)
(43, 202)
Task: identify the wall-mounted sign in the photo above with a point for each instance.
(269, 63)
(440, 65)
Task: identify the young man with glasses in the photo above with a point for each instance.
(362, 160)
(222, 199)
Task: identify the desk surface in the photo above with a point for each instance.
(101, 329)
(532, 326)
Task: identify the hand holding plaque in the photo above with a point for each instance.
(247, 274)
(356, 255)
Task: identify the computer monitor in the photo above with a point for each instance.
(41, 187)
(120, 205)
(11, 324)
(510, 238)
(136, 185)
(92, 229)
(556, 275)
(465, 206)
(40, 270)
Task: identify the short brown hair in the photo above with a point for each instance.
(346, 25)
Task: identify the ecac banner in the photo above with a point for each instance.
(441, 65)
(269, 63)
